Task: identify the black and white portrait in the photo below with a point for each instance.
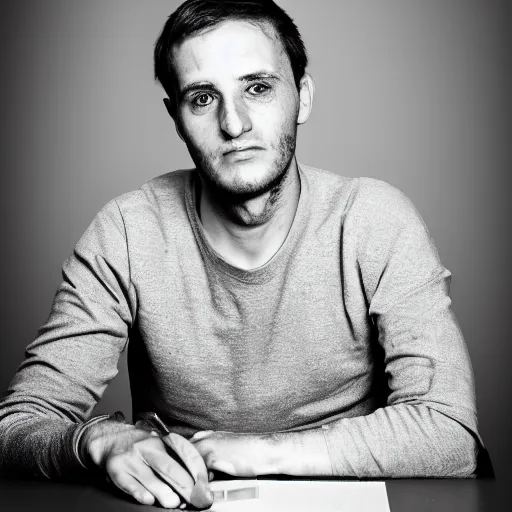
(249, 239)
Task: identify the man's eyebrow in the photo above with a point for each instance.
(259, 75)
(197, 86)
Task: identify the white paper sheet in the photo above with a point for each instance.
(302, 496)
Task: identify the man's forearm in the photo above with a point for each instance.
(397, 441)
(302, 453)
(38, 446)
(248, 455)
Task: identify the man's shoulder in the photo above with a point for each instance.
(328, 191)
(166, 189)
(378, 200)
(361, 193)
(361, 186)
(364, 200)
(322, 178)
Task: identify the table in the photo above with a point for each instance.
(19, 494)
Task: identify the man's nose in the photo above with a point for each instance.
(234, 118)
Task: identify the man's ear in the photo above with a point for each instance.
(306, 94)
(171, 109)
(170, 106)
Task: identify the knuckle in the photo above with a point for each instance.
(167, 469)
(114, 466)
(149, 443)
(210, 460)
(131, 490)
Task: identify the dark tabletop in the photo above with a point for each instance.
(20, 494)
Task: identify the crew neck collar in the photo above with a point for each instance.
(267, 271)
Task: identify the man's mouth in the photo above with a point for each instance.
(241, 146)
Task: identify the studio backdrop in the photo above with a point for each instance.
(413, 92)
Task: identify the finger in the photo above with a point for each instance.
(201, 496)
(132, 487)
(201, 434)
(189, 455)
(159, 489)
(171, 471)
(223, 466)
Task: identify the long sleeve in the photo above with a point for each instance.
(68, 366)
(428, 427)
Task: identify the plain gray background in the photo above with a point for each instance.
(414, 92)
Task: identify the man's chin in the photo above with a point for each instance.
(247, 189)
(239, 190)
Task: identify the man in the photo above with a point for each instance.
(263, 301)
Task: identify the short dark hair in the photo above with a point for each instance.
(195, 15)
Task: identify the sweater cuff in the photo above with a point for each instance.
(337, 451)
(82, 429)
(325, 428)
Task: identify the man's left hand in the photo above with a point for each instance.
(243, 455)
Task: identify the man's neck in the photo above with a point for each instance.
(248, 233)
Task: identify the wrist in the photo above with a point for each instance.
(268, 449)
(85, 443)
(78, 438)
(303, 453)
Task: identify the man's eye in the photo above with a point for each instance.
(202, 100)
(258, 89)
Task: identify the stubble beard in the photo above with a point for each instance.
(233, 201)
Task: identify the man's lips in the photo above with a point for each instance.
(240, 146)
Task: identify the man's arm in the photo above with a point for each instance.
(67, 368)
(74, 356)
(428, 427)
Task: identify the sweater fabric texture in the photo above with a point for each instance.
(347, 327)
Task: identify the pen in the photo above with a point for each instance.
(152, 422)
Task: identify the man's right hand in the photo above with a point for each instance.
(140, 463)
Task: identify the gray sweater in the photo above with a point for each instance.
(356, 291)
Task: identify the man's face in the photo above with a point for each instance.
(237, 105)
